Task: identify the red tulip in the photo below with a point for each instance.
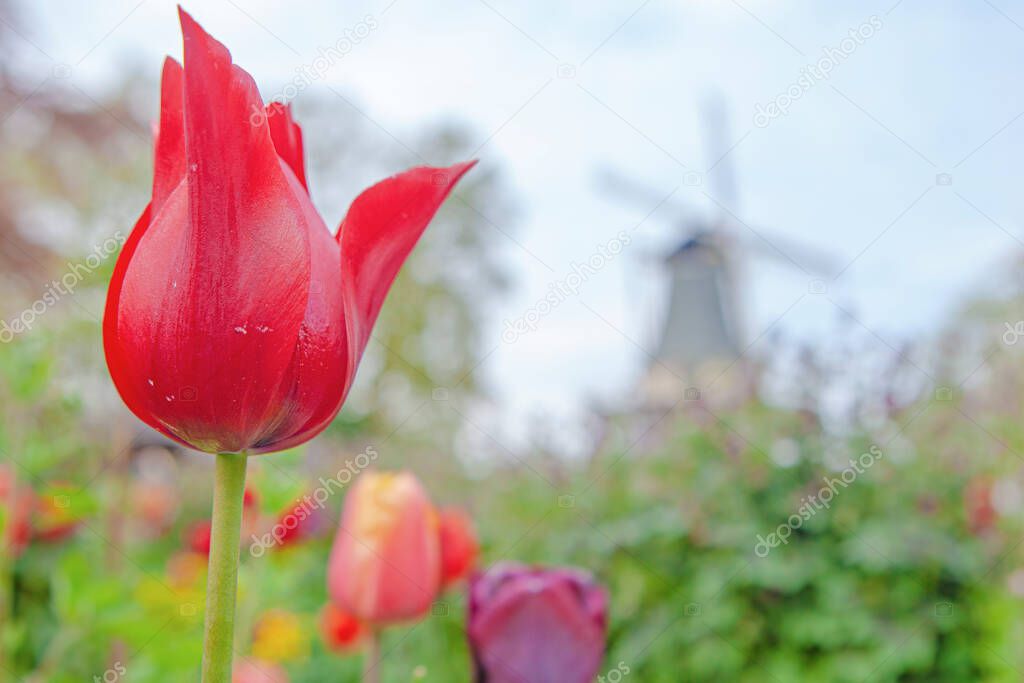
(55, 521)
(536, 625)
(386, 562)
(300, 522)
(235, 320)
(459, 546)
(250, 500)
(341, 631)
(7, 480)
(198, 537)
(33, 518)
(20, 503)
(978, 506)
(17, 502)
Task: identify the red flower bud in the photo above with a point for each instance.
(235, 320)
(459, 546)
(537, 625)
(300, 522)
(197, 536)
(20, 503)
(250, 500)
(978, 505)
(341, 631)
(55, 521)
(386, 562)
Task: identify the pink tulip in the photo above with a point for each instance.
(256, 671)
(386, 562)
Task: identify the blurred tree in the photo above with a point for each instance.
(427, 341)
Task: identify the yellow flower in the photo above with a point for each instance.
(279, 637)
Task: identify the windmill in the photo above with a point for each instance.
(704, 330)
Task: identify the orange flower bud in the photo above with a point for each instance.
(459, 547)
(386, 562)
(186, 569)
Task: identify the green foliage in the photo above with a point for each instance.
(886, 583)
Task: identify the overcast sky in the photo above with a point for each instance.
(558, 91)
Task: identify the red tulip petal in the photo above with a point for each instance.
(117, 361)
(459, 547)
(287, 138)
(169, 169)
(319, 367)
(381, 228)
(216, 291)
(169, 162)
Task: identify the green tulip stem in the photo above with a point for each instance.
(371, 657)
(222, 578)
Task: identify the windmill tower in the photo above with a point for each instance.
(703, 336)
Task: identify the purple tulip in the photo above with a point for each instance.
(536, 625)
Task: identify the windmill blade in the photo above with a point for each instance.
(641, 194)
(718, 147)
(804, 258)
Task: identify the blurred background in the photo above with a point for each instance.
(719, 257)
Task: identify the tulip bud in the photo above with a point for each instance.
(536, 625)
(386, 562)
(341, 631)
(459, 546)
